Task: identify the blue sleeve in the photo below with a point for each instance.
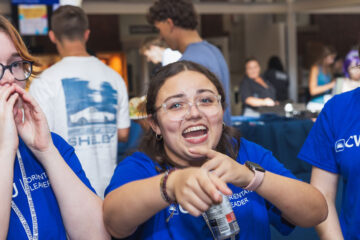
(318, 149)
(135, 167)
(68, 154)
(264, 158)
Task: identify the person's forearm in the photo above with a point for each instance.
(132, 204)
(255, 102)
(300, 203)
(123, 134)
(330, 228)
(6, 189)
(315, 90)
(81, 209)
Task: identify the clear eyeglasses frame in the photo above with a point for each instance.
(177, 108)
(21, 70)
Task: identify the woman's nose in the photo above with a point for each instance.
(193, 111)
(7, 77)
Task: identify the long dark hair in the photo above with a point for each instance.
(229, 142)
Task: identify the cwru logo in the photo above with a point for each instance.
(340, 145)
(352, 141)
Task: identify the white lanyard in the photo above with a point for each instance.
(34, 235)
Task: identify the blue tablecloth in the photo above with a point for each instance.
(283, 136)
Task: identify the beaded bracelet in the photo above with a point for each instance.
(163, 181)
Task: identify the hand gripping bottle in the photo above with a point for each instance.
(221, 220)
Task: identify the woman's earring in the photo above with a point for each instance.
(158, 137)
(224, 125)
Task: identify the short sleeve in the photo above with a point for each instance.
(43, 94)
(318, 148)
(123, 106)
(135, 167)
(68, 154)
(255, 153)
(271, 164)
(245, 89)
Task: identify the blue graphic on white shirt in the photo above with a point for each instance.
(91, 113)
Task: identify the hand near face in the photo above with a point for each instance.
(34, 129)
(196, 189)
(224, 167)
(8, 134)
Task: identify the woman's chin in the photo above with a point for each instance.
(195, 158)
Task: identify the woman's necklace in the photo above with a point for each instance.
(34, 235)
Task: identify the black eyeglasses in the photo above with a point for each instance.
(21, 70)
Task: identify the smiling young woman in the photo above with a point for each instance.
(189, 157)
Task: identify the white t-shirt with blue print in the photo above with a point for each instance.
(253, 213)
(85, 102)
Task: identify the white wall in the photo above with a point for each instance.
(263, 38)
(130, 44)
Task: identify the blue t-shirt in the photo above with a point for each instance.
(210, 57)
(50, 224)
(333, 144)
(253, 213)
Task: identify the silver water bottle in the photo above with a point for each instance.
(221, 220)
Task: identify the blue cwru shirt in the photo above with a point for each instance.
(253, 213)
(333, 145)
(50, 224)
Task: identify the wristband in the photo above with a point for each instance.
(256, 181)
(258, 178)
(163, 181)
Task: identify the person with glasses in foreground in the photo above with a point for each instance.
(44, 193)
(188, 157)
(332, 147)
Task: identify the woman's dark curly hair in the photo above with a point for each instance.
(181, 12)
(229, 142)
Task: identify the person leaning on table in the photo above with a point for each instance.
(44, 193)
(188, 157)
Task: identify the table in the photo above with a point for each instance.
(283, 136)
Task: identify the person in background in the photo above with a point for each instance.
(332, 147)
(156, 51)
(44, 193)
(320, 79)
(176, 21)
(351, 79)
(188, 157)
(276, 75)
(338, 67)
(255, 91)
(85, 101)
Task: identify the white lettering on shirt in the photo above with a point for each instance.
(36, 181)
(342, 144)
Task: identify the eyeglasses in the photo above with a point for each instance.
(21, 70)
(355, 70)
(177, 108)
